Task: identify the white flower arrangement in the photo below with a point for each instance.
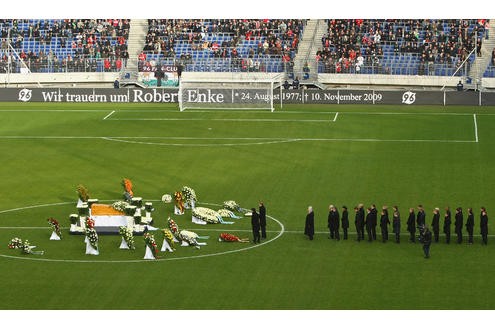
(92, 237)
(120, 205)
(167, 198)
(225, 213)
(24, 246)
(189, 194)
(126, 233)
(231, 205)
(206, 214)
(189, 237)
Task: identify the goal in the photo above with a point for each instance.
(253, 94)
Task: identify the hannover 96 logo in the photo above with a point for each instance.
(25, 95)
(408, 97)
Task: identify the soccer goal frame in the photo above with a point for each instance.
(226, 94)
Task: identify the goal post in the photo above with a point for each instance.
(240, 95)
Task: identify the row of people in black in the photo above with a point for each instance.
(416, 222)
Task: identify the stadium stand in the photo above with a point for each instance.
(225, 45)
(490, 71)
(404, 47)
(391, 48)
(63, 45)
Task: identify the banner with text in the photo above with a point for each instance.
(226, 96)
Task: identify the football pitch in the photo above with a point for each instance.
(294, 157)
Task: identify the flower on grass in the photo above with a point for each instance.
(92, 237)
(56, 226)
(206, 214)
(82, 191)
(149, 240)
(169, 237)
(167, 198)
(232, 238)
(126, 233)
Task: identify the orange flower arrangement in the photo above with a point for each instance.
(179, 200)
(127, 184)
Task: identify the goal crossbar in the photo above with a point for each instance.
(228, 94)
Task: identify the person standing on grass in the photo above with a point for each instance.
(361, 221)
(470, 225)
(411, 226)
(333, 222)
(484, 226)
(384, 223)
(345, 221)
(396, 223)
(358, 220)
(435, 223)
(446, 224)
(374, 220)
(420, 219)
(426, 238)
(255, 224)
(459, 220)
(309, 227)
(369, 224)
(262, 210)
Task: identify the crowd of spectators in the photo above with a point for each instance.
(224, 38)
(350, 44)
(72, 45)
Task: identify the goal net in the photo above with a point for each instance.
(226, 95)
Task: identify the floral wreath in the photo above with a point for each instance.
(55, 226)
(179, 201)
(92, 237)
(126, 233)
(149, 240)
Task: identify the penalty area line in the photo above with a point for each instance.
(109, 115)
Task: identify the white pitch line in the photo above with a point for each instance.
(268, 139)
(108, 115)
(475, 127)
(216, 119)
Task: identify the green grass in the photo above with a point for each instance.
(292, 158)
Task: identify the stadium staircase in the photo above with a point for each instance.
(306, 52)
(137, 37)
(481, 63)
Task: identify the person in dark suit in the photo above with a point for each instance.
(411, 226)
(374, 220)
(262, 210)
(361, 221)
(435, 223)
(369, 224)
(426, 242)
(459, 221)
(309, 227)
(384, 223)
(345, 221)
(358, 219)
(446, 224)
(333, 222)
(255, 225)
(484, 226)
(470, 225)
(396, 223)
(420, 220)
